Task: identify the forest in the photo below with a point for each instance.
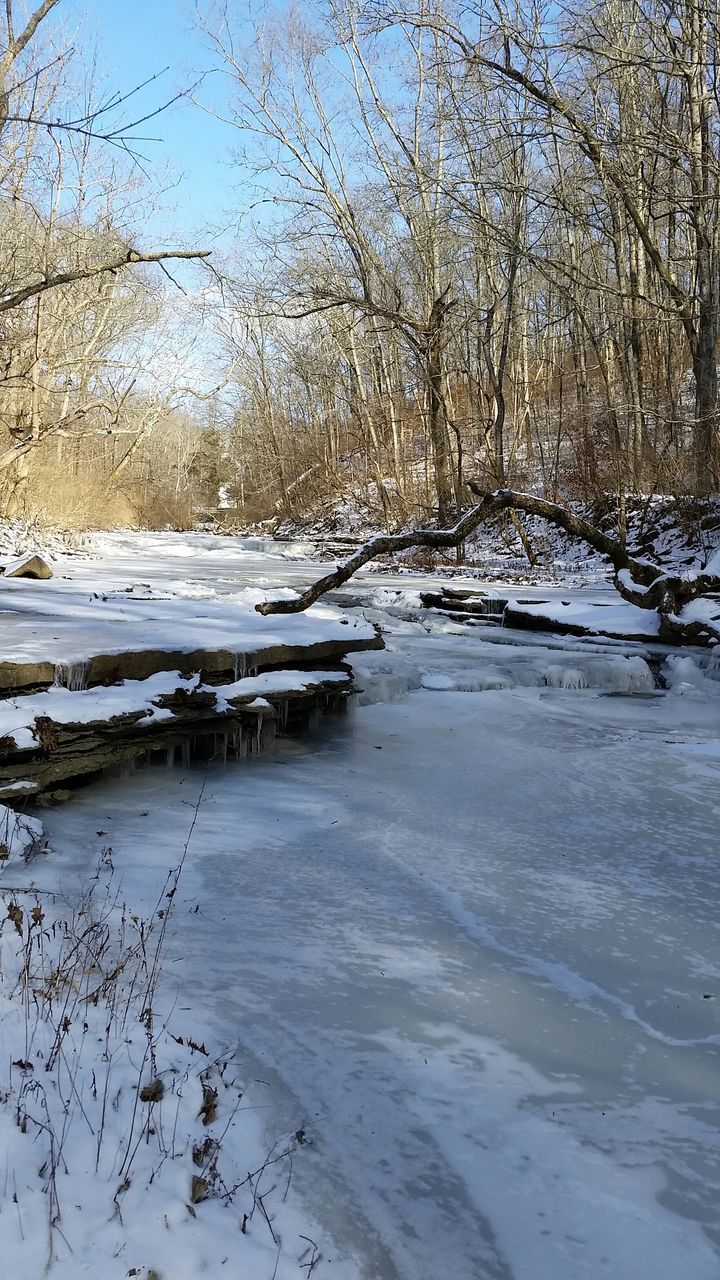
(360, 662)
(470, 243)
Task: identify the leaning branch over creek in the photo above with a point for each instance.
(640, 582)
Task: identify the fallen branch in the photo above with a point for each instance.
(387, 544)
(639, 582)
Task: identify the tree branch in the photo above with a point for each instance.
(129, 258)
(639, 582)
(387, 544)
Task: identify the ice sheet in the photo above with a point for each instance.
(468, 942)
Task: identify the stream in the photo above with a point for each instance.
(466, 940)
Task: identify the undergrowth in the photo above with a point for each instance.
(123, 1147)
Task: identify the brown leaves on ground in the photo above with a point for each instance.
(208, 1110)
(46, 732)
(199, 1188)
(153, 1092)
(205, 1151)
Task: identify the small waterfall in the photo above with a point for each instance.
(656, 662)
(488, 607)
(72, 675)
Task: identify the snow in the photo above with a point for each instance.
(104, 606)
(626, 579)
(615, 619)
(465, 942)
(279, 682)
(713, 564)
(702, 610)
(99, 1180)
(19, 833)
(65, 706)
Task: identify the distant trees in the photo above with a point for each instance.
(493, 244)
(366, 233)
(631, 86)
(72, 302)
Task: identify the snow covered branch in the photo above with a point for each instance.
(640, 582)
(387, 544)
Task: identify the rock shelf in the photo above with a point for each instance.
(49, 740)
(613, 618)
(95, 678)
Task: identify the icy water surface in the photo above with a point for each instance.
(469, 942)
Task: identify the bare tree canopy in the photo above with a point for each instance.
(501, 262)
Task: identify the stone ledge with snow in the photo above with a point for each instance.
(61, 735)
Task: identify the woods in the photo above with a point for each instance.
(75, 311)
(494, 248)
(471, 245)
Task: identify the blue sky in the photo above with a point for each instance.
(136, 39)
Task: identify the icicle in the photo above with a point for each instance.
(72, 675)
(268, 734)
(244, 665)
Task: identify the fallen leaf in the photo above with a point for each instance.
(152, 1092)
(208, 1110)
(198, 1188)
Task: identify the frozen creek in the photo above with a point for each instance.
(468, 941)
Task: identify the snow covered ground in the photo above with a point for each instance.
(465, 945)
(123, 603)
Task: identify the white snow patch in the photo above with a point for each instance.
(19, 833)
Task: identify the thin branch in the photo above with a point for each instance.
(131, 257)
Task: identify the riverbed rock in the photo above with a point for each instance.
(192, 722)
(30, 566)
